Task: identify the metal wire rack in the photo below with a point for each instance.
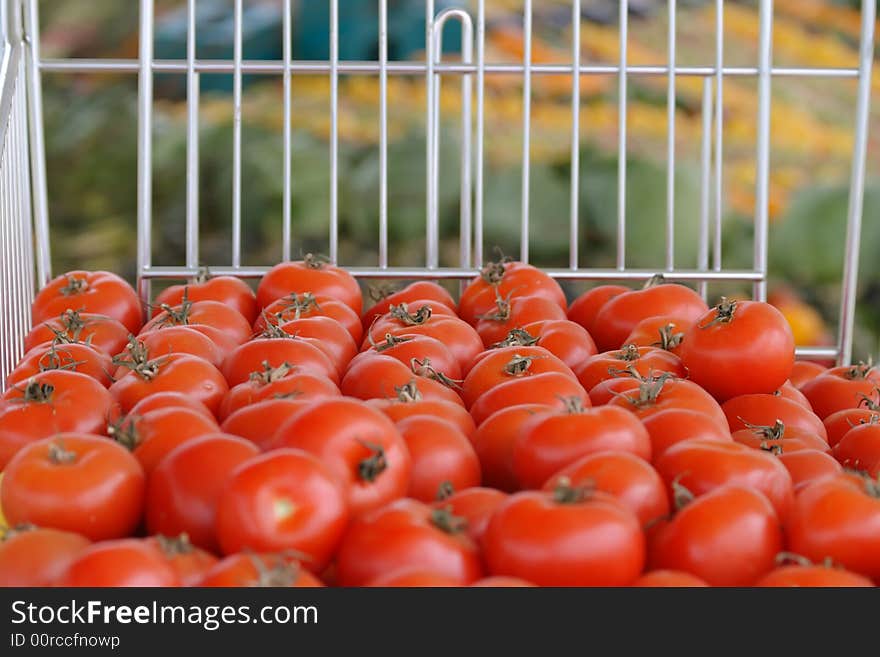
(24, 233)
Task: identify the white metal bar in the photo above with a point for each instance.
(287, 201)
(719, 135)
(705, 183)
(526, 130)
(621, 137)
(478, 165)
(670, 140)
(192, 141)
(466, 185)
(762, 177)
(431, 251)
(816, 353)
(236, 135)
(334, 130)
(145, 149)
(383, 133)
(574, 198)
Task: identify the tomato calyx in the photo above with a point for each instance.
(502, 309)
(516, 338)
(60, 456)
(7, 533)
(138, 360)
(776, 431)
(669, 338)
(284, 573)
(868, 403)
(74, 286)
(124, 431)
(565, 493)
(518, 365)
(649, 391)
(389, 342)
(628, 353)
(860, 371)
(493, 272)
(173, 546)
(273, 331)
(381, 291)
(73, 326)
(177, 315)
(871, 485)
(54, 361)
(681, 494)
(724, 312)
(655, 280)
(408, 392)
(35, 392)
(446, 521)
(315, 260)
(401, 313)
(425, 369)
(784, 557)
(375, 464)
(444, 491)
(573, 405)
(299, 304)
(271, 374)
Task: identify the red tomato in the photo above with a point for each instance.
(328, 335)
(358, 444)
(228, 290)
(183, 340)
(259, 421)
(779, 439)
(311, 274)
(788, 391)
(838, 423)
(739, 348)
(808, 465)
(98, 292)
(842, 387)
(805, 370)
(282, 382)
(550, 388)
(101, 332)
(860, 449)
(506, 279)
(219, 317)
(409, 577)
(584, 309)
(32, 557)
(383, 377)
(646, 361)
(305, 306)
(169, 399)
(623, 475)
(185, 487)
(441, 455)
(252, 357)
(248, 569)
(838, 518)
(418, 351)
(554, 439)
(603, 392)
(76, 357)
(188, 562)
(677, 425)
(663, 332)
(75, 482)
(407, 534)
(565, 339)
(414, 313)
(510, 314)
(765, 410)
(495, 440)
(125, 562)
(409, 402)
(508, 364)
(501, 581)
(669, 579)
(647, 398)
(412, 292)
(49, 403)
(728, 537)
(812, 576)
(475, 505)
(568, 537)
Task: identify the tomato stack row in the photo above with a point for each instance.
(289, 437)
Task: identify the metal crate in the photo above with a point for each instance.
(24, 243)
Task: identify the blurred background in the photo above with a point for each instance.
(91, 124)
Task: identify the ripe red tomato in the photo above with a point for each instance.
(31, 556)
(739, 348)
(169, 399)
(413, 292)
(98, 292)
(566, 340)
(185, 487)
(649, 397)
(669, 579)
(282, 382)
(703, 466)
(808, 465)
(805, 370)
(584, 309)
(860, 449)
(812, 576)
(838, 518)
(501, 581)
(76, 357)
(49, 403)
(441, 455)
(510, 314)
(328, 335)
(252, 357)
(101, 332)
(623, 475)
(646, 361)
(311, 274)
(675, 425)
(568, 537)
(554, 439)
(415, 313)
(765, 410)
(779, 438)
(622, 313)
(248, 569)
(407, 534)
(550, 388)
(842, 387)
(508, 364)
(409, 577)
(188, 562)
(75, 482)
(417, 351)
(305, 306)
(513, 279)
(728, 537)
(359, 445)
(220, 320)
(838, 423)
(475, 505)
(663, 332)
(409, 402)
(259, 421)
(603, 392)
(495, 440)
(125, 562)
(384, 377)
(183, 340)
(228, 290)
(788, 391)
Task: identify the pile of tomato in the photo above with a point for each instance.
(288, 437)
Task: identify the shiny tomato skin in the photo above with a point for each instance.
(566, 340)
(259, 421)
(98, 292)
(310, 275)
(250, 356)
(808, 465)
(405, 534)
(76, 357)
(669, 579)
(494, 443)
(245, 569)
(412, 292)
(440, 454)
(805, 370)
(728, 537)
(494, 326)
(125, 562)
(328, 335)
(507, 364)
(402, 408)
(592, 542)
(765, 410)
(220, 317)
(476, 505)
(228, 290)
(187, 561)
(676, 425)
(516, 279)
(586, 307)
(646, 361)
(650, 332)
(412, 349)
(169, 399)
(549, 388)
(382, 377)
(299, 384)
(184, 488)
(839, 423)
(75, 482)
(812, 576)
(408, 577)
(842, 388)
(860, 449)
(788, 391)
(37, 556)
(101, 332)
(302, 306)
(182, 340)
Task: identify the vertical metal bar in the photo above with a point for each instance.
(621, 139)
(527, 128)
(705, 183)
(236, 136)
(287, 35)
(762, 178)
(334, 130)
(574, 198)
(431, 255)
(481, 82)
(670, 141)
(145, 148)
(25, 226)
(857, 184)
(192, 141)
(467, 55)
(383, 133)
(719, 134)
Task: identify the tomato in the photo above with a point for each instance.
(645, 361)
(151, 436)
(183, 340)
(76, 357)
(584, 309)
(675, 425)
(190, 375)
(409, 577)
(702, 466)
(663, 332)
(413, 292)
(506, 279)
(739, 348)
(221, 320)
(441, 455)
(188, 562)
(604, 391)
(812, 576)
(838, 423)
(415, 313)
(808, 465)
(305, 306)
(860, 448)
(629, 479)
(554, 439)
(253, 356)
(550, 388)
(358, 444)
(765, 410)
(728, 537)
(124, 562)
(281, 382)
(621, 314)
(417, 351)
(510, 314)
(508, 364)
(75, 482)
(669, 579)
(407, 534)
(779, 438)
(48, 403)
(259, 421)
(495, 440)
(501, 581)
(838, 518)
(649, 397)
(248, 569)
(788, 391)
(842, 387)
(311, 274)
(566, 340)
(409, 402)
(805, 370)
(228, 290)
(475, 505)
(283, 500)
(185, 487)
(30, 556)
(328, 335)
(567, 537)
(101, 332)
(384, 377)
(98, 292)
(169, 399)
